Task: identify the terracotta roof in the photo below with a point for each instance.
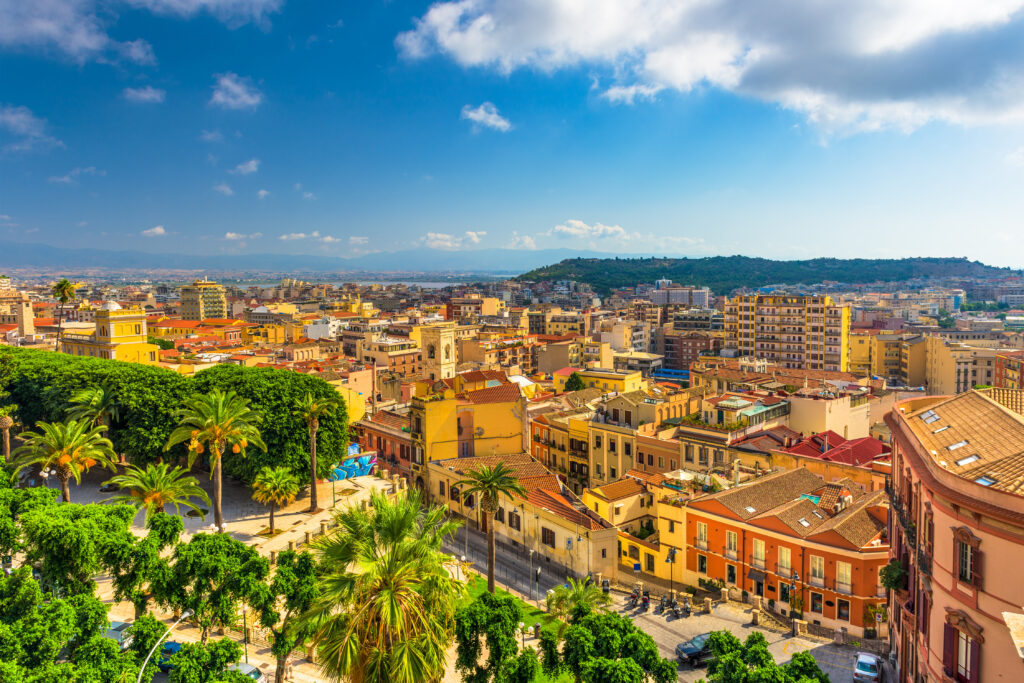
(504, 393)
(390, 419)
(483, 375)
(522, 464)
(560, 505)
(623, 488)
(758, 497)
(654, 478)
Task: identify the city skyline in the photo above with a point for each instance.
(262, 126)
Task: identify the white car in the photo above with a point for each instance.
(117, 632)
(868, 668)
(248, 670)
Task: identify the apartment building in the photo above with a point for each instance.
(1007, 370)
(682, 348)
(203, 299)
(808, 332)
(802, 544)
(958, 532)
(119, 334)
(954, 367)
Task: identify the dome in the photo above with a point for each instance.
(110, 306)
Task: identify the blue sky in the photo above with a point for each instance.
(654, 126)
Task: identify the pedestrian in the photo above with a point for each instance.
(289, 669)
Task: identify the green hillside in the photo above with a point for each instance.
(726, 273)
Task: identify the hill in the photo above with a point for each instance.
(724, 274)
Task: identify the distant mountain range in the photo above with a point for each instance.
(509, 261)
(726, 273)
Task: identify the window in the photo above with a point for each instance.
(515, 521)
(730, 573)
(499, 515)
(649, 559)
(627, 448)
(785, 559)
(731, 541)
(843, 610)
(611, 471)
(597, 442)
(758, 552)
(629, 416)
(671, 526)
(611, 446)
(650, 460)
(604, 553)
(817, 603)
(702, 564)
(817, 568)
(967, 557)
(440, 488)
(689, 453)
(547, 537)
(844, 580)
(702, 534)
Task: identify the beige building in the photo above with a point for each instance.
(808, 332)
(955, 367)
(203, 299)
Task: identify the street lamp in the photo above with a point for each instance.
(245, 632)
(45, 474)
(530, 574)
(671, 559)
(184, 615)
(522, 632)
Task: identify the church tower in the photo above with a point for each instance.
(438, 343)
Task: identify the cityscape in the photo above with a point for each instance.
(307, 372)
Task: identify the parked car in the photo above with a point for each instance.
(694, 651)
(117, 631)
(171, 648)
(248, 670)
(868, 668)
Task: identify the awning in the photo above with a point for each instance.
(756, 575)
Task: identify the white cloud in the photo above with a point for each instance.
(356, 240)
(1016, 158)
(27, 130)
(521, 242)
(448, 242)
(72, 176)
(211, 136)
(236, 236)
(308, 195)
(263, 194)
(327, 239)
(294, 236)
(77, 29)
(846, 67)
(486, 115)
(224, 189)
(232, 91)
(145, 94)
(247, 167)
(577, 228)
(156, 231)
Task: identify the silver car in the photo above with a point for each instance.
(248, 670)
(868, 668)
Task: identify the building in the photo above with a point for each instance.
(958, 532)
(203, 299)
(1007, 370)
(438, 343)
(954, 367)
(675, 294)
(809, 332)
(120, 334)
(798, 542)
(600, 378)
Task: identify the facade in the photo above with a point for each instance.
(1007, 370)
(600, 378)
(954, 367)
(203, 299)
(120, 334)
(438, 342)
(958, 531)
(808, 546)
(808, 332)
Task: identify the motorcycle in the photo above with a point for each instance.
(632, 598)
(662, 605)
(646, 603)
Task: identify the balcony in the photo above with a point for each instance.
(924, 562)
(757, 562)
(817, 581)
(844, 588)
(700, 543)
(784, 572)
(730, 553)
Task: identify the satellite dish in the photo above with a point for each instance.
(479, 431)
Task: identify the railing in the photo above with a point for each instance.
(731, 553)
(700, 543)
(817, 581)
(784, 572)
(924, 562)
(757, 562)
(844, 588)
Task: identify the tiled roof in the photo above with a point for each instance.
(623, 488)
(522, 465)
(504, 393)
(483, 375)
(560, 505)
(764, 494)
(654, 478)
(390, 419)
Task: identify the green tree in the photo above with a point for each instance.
(64, 292)
(893, 576)
(491, 484)
(386, 612)
(97, 405)
(275, 486)
(70, 449)
(803, 667)
(311, 409)
(156, 486)
(71, 544)
(212, 575)
(491, 620)
(137, 567)
(164, 344)
(595, 640)
(14, 504)
(575, 382)
(576, 599)
(217, 421)
(290, 593)
(207, 663)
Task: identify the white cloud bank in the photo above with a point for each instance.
(846, 67)
(155, 231)
(487, 116)
(146, 94)
(231, 91)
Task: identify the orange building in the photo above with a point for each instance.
(808, 546)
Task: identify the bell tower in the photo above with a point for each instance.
(438, 342)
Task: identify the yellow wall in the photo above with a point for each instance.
(118, 335)
(605, 381)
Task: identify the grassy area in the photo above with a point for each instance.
(529, 615)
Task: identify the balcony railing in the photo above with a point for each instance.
(731, 553)
(845, 588)
(784, 572)
(757, 562)
(818, 581)
(924, 562)
(701, 543)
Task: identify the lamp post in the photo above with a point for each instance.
(45, 474)
(671, 559)
(184, 615)
(530, 574)
(245, 632)
(522, 632)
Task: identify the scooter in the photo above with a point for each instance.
(662, 605)
(632, 598)
(646, 601)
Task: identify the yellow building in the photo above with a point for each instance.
(914, 361)
(203, 299)
(601, 378)
(120, 334)
(955, 367)
(808, 332)
(447, 423)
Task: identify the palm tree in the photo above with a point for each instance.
(69, 448)
(491, 483)
(311, 410)
(6, 422)
(63, 291)
(98, 405)
(579, 596)
(275, 486)
(158, 486)
(216, 421)
(387, 608)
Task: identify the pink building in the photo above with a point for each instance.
(957, 528)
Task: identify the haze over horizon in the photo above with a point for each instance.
(654, 127)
